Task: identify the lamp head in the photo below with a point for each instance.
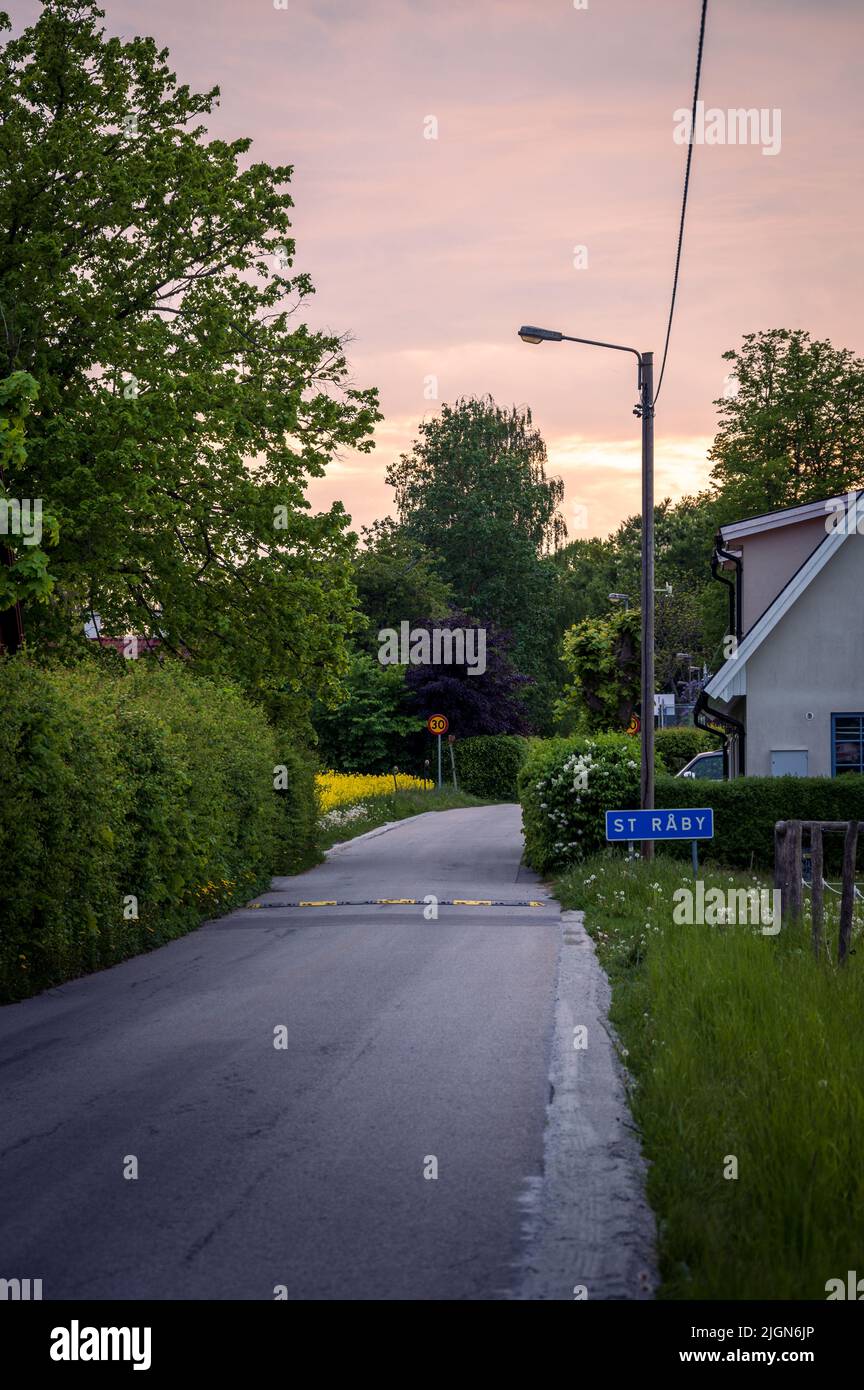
(529, 334)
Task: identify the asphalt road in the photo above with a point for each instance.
(301, 1166)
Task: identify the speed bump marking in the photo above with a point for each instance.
(405, 902)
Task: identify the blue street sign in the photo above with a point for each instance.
(687, 823)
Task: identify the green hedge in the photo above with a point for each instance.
(675, 747)
(488, 766)
(564, 821)
(149, 784)
(746, 810)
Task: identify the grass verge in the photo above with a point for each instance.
(347, 821)
(739, 1046)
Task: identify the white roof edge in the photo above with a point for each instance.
(808, 511)
(720, 685)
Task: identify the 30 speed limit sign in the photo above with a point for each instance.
(437, 724)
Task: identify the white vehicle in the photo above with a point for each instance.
(709, 765)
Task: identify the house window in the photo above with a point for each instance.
(847, 743)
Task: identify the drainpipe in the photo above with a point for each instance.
(734, 589)
(702, 713)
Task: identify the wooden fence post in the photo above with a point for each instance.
(796, 871)
(779, 852)
(817, 892)
(790, 888)
(847, 901)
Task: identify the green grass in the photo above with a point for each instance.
(378, 810)
(737, 1044)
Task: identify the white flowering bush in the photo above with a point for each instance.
(566, 787)
(344, 815)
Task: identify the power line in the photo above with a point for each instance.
(684, 200)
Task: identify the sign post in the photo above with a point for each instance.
(692, 823)
(438, 724)
(451, 739)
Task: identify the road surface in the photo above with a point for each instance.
(297, 1167)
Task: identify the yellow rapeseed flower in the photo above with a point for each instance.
(345, 788)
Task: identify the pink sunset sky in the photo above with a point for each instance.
(554, 131)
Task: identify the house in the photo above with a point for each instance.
(790, 694)
(129, 646)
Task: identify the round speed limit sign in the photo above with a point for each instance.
(437, 724)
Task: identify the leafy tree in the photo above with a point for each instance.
(473, 490)
(678, 627)
(396, 581)
(477, 475)
(367, 731)
(24, 573)
(487, 703)
(602, 656)
(684, 534)
(587, 574)
(794, 430)
(692, 616)
(147, 284)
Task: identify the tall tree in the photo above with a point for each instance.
(793, 431)
(474, 491)
(147, 284)
(396, 581)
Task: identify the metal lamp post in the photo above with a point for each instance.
(645, 410)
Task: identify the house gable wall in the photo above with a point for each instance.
(812, 661)
(769, 560)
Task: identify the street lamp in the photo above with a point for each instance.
(688, 657)
(645, 411)
(539, 335)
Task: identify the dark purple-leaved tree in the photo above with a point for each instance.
(482, 702)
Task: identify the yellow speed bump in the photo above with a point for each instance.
(402, 902)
